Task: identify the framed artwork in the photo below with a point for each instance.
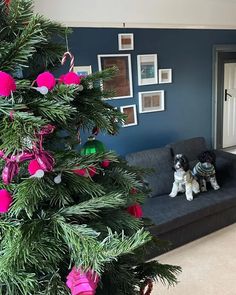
(147, 69)
(83, 70)
(131, 115)
(151, 101)
(122, 82)
(165, 76)
(126, 41)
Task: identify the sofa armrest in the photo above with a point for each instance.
(225, 164)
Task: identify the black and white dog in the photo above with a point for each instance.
(204, 170)
(184, 180)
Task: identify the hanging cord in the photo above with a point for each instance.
(68, 53)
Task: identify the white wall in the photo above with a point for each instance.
(142, 13)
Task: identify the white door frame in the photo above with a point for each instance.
(216, 119)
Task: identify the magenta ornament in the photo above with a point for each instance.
(5, 201)
(45, 160)
(82, 283)
(46, 79)
(47, 129)
(71, 78)
(7, 84)
(10, 170)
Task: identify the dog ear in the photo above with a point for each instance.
(213, 157)
(202, 157)
(185, 163)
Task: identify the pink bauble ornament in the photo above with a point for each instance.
(92, 171)
(71, 78)
(7, 84)
(5, 201)
(82, 283)
(33, 167)
(46, 79)
(105, 163)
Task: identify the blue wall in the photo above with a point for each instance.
(188, 100)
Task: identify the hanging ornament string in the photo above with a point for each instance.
(72, 60)
(149, 286)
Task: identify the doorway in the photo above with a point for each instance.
(224, 96)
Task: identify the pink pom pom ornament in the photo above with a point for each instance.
(70, 78)
(7, 84)
(5, 201)
(46, 79)
(33, 167)
(82, 283)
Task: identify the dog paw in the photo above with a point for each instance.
(216, 187)
(172, 195)
(189, 198)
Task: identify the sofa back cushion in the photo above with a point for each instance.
(160, 159)
(191, 148)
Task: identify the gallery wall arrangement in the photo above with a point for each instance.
(148, 74)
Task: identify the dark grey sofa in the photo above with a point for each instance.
(176, 219)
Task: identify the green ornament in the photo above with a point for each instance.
(92, 146)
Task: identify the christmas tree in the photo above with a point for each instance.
(70, 220)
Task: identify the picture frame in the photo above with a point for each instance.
(165, 76)
(147, 69)
(122, 83)
(83, 70)
(151, 101)
(131, 112)
(126, 41)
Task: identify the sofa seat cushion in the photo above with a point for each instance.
(160, 160)
(191, 148)
(170, 213)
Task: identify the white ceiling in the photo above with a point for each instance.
(142, 13)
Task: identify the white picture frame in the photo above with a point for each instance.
(151, 101)
(83, 70)
(126, 41)
(122, 83)
(165, 76)
(131, 112)
(147, 69)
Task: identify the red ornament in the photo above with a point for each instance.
(92, 171)
(81, 172)
(46, 79)
(7, 84)
(135, 210)
(133, 191)
(7, 2)
(33, 167)
(105, 163)
(70, 78)
(5, 201)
